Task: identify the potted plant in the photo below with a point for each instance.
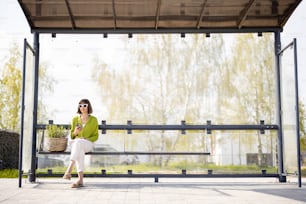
(56, 140)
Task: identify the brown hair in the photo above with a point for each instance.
(82, 101)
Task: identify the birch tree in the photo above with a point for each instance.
(10, 82)
(11, 87)
(253, 65)
(165, 80)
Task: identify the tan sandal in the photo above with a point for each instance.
(77, 185)
(67, 176)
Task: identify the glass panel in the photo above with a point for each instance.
(28, 110)
(289, 111)
(230, 152)
(162, 79)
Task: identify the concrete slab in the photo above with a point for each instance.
(168, 191)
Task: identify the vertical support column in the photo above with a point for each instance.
(277, 47)
(22, 115)
(32, 176)
(297, 114)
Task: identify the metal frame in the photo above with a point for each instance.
(33, 12)
(157, 31)
(20, 173)
(183, 127)
(277, 47)
(294, 45)
(156, 177)
(209, 127)
(297, 113)
(129, 127)
(159, 14)
(32, 175)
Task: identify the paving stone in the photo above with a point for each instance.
(145, 191)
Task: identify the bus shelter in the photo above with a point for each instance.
(107, 17)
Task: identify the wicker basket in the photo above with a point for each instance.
(56, 144)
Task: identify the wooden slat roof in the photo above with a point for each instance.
(161, 16)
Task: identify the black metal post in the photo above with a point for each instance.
(297, 113)
(32, 176)
(277, 47)
(22, 115)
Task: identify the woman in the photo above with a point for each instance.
(84, 132)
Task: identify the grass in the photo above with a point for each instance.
(146, 168)
(173, 167)
(303, 173)
(9, 173)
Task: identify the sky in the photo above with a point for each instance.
(76, 52)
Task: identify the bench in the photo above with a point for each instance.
(183, 127)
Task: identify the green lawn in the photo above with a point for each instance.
(9, 173)
(171, 168)
(141, 168)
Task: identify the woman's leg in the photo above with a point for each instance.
(73, 157)
(81, 176)
(70, 167)
(80, 168)
(83, 146)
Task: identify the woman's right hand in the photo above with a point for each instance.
(77, 130)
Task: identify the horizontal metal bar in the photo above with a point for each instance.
(139, 175)
(177, 127)
(132, 153)
(243, 127)
(187, 127)
(156, 31)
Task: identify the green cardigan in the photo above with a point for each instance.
(89, 131)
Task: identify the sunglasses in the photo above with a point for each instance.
(83, 105)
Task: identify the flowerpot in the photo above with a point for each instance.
(56, 144)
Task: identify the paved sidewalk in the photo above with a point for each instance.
(166, 191)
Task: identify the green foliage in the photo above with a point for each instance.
(173, 167)
(250, 88)
(251, 84)
(10, 83)
(302, 115)
(46, 83)
(149, 168)
(55, 131)
(9, 173)
(166, 79)
(11, 88)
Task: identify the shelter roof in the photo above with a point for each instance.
(157, 16)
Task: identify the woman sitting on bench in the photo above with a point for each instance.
(83, 133)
